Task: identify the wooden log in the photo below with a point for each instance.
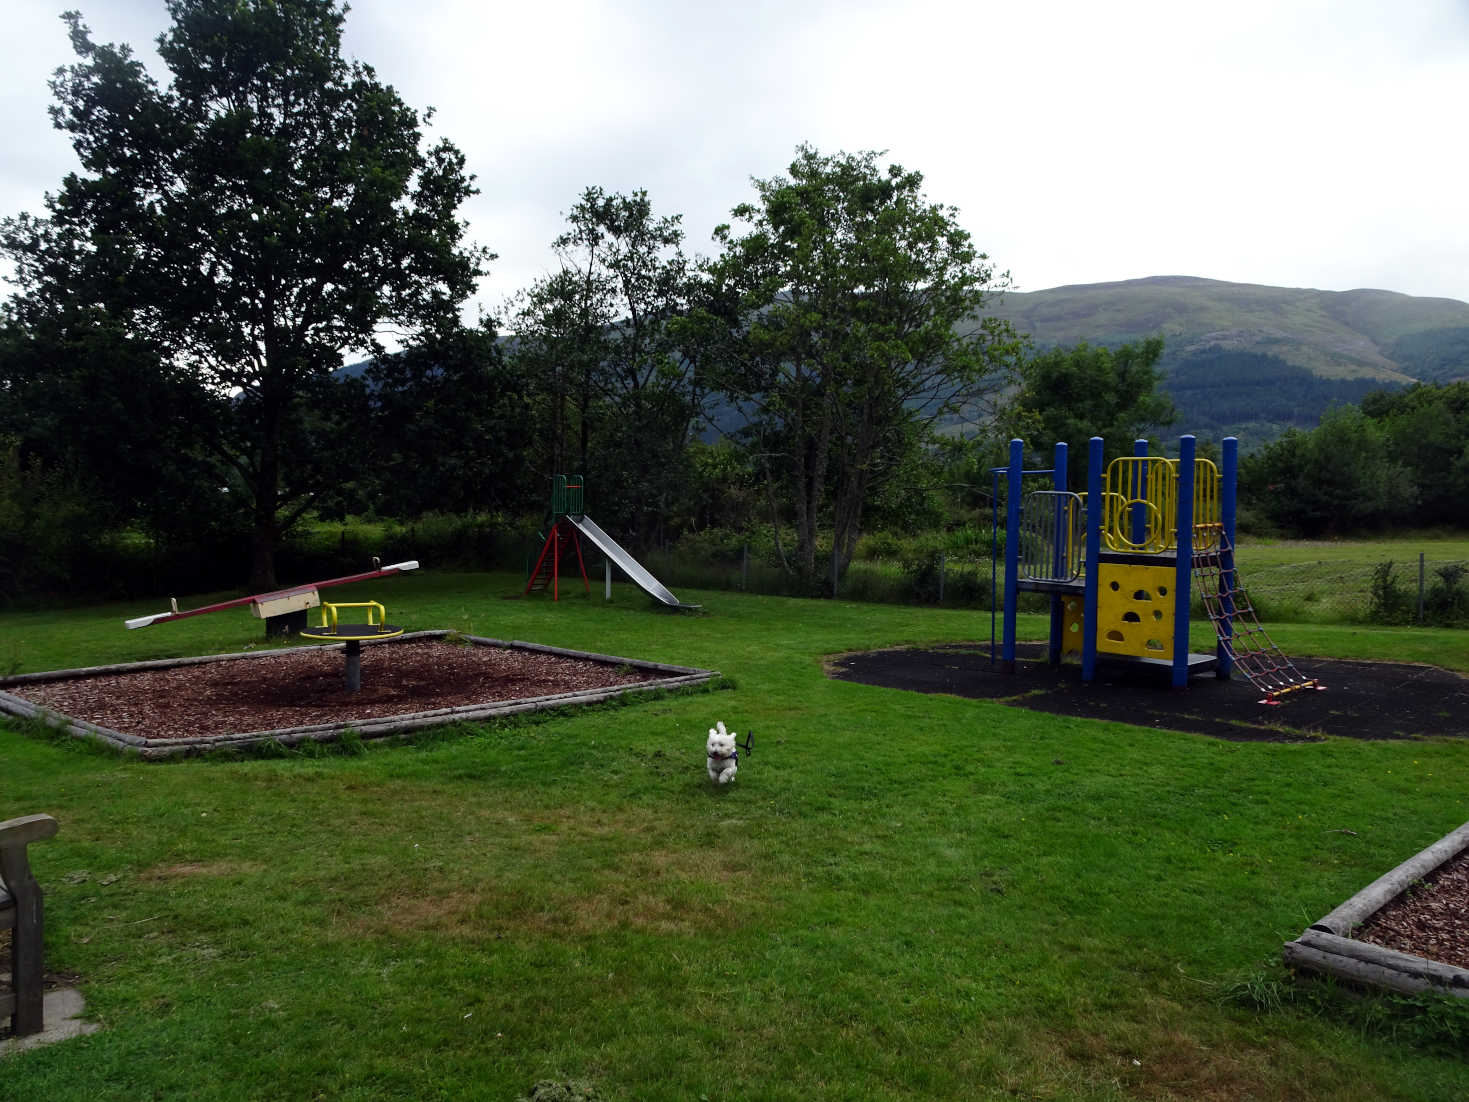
(636, 663)
(1360, 971)
(1441, 975)
(78, 728)
(1390, 885)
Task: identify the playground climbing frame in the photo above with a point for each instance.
(1121, 560)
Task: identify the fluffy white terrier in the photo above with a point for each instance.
(722, 753)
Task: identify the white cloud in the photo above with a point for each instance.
(1294, 142)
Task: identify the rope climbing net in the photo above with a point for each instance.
(1236, 623)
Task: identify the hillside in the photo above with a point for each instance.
(1253, 359)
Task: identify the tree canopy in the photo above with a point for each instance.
(844, 321)
(615, 393)
(272, 207)
(1072, 394)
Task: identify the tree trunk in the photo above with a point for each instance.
(265, 530)
(262, 556)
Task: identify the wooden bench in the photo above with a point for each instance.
(21, 913)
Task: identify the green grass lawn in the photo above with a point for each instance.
(901, 896)
(1403, 550)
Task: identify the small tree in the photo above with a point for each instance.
(1342, 476)
(270, 209)
(844, 323)
(1073, 394)
(617, 396)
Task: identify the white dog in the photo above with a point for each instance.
(723, 754)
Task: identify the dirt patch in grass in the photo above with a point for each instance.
(679, 907)
(197, 868)
(1366, 700)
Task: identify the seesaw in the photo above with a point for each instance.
(275, 607)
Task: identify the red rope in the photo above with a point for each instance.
(1238, 626)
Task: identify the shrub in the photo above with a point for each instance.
(1390, 602)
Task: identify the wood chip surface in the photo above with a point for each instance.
(1430, 920)
(306, 685)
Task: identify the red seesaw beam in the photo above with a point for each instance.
(164, 617)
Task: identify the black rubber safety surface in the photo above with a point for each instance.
(1368, 700)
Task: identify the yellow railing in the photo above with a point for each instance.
(1149, 484)
(328, 609)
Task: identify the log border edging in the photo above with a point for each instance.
(1326, 945)
(404, 725)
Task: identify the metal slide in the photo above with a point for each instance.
(625, 562)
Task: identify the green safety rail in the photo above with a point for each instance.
(567, 496)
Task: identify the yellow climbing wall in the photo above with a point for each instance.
(1135, 610)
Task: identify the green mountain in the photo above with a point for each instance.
(1250, 359)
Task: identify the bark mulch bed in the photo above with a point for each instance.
(420, 678)
(1367, 700)
(1430, 920)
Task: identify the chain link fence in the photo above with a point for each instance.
(1417, 590)
(1412, 591)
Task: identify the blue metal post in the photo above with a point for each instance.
(994, 537)
(1228, 479)
(1012, 549)
(1094, 506)
(1138, 488)
(1183, 572)
(1059, 556)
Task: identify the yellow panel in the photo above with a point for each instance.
(1135, 610)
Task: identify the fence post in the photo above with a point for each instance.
(1420, 588)
(745, 568)
(607, 567)
(943, 562)
(1012, 547)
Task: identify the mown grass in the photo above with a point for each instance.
(1264, 553)
(901, 896)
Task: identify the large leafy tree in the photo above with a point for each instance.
(272, 207)
(1427, 430)
(446, 428)
(1342, 476)
(81, 399)
(1072, 394)
(617, 395)
(844, 321)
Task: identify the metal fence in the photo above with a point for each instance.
(1413, 590)
(1416, 590)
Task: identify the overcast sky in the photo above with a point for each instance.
(1288, 142)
